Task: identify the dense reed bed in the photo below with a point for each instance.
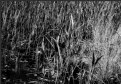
(61, 42)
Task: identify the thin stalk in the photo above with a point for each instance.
(36, 58)
(16, 65)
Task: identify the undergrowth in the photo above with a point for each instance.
(61, 42)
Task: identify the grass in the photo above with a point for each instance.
(63, 42)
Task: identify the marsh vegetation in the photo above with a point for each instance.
(61, 42)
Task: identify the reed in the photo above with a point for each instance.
(62, 42)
